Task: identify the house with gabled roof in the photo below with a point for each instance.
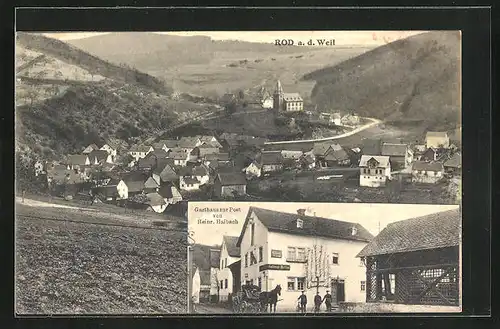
(336, 155)
(254, 169)
(170, 193)
(271, 161)
(135, 182)
(151, 186)
(416, 261)
(207, 148)
(375, 170)
(111, 149)
(229, 184)
(90, 148)
(180, 158)
(140, 151)
(156, 202)
(165, 174)
(228, 277)
(76, 161)
(286, 248)
(189, 183)
(437, 139)
(100, 157)
(116, 189)
(454, 163)
(427, 172)
(400, 155)
(220, 158)
(201, 172)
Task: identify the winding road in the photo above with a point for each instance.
(374, 122)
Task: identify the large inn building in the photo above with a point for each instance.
(301, 252)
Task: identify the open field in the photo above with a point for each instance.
(80, 268)
(225, 73)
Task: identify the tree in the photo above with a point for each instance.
(214, 281)
(317, 267)
(241, 94)
(230, 108)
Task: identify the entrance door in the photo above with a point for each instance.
(338, 291)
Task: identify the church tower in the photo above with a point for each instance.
(278, 97)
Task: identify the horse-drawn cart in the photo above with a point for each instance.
(247, 300)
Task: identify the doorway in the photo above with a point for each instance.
(338, 291)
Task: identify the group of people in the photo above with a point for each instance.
(318, 300)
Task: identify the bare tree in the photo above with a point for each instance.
(317, 266)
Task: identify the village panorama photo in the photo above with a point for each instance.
(261, 257)
(117, 133)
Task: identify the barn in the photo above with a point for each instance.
(415, 261)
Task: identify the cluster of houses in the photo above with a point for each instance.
(169, 171)
(303, 252)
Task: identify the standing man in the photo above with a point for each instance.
(317, 302)
(303, 302)
(328, 301)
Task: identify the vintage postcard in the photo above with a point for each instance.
(261, 257)
(117, 132)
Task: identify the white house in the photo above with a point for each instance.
(267, 102)
(229, 254)
(374, 170)
(140, 151)
(427, 172)
(188, 183)
(253, 170)
(156, 202)
(111, 150)
(180, 158)
(291, 154)
(201, 174)
(170, 193)
(302, 253)
(437, 139)
(90, 148)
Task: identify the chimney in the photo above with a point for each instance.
(301, 212)
(354, 230)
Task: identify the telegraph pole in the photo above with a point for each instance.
(191, 242)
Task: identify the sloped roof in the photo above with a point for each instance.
(200, 170)
(441, 134)
(455, 161)
(390, 149)
(90, 148)
(231, 178)
(188, 142)
(190, 180)
(312, 226)
(168, 174)
(292, 97)
(427, 166)
(77, 159)
(337, 155)
(231, 245)
(159, 153)
(101, 155)
(271, 157)
(321, 148)
(215, 258)
(155, 199)
(135, 181)
(304, 147)
(433, 231)
(168, 191)
(217, 157)
(178, 155)
(371, 146)
(381, 159)
(150, 183)
(140, 148)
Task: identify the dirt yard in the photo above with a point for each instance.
(81, 268)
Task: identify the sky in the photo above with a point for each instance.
(372, 216)
(369, 38)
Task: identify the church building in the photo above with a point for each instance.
(287, 102)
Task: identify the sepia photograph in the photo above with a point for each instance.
(117, 134)
(253, 257)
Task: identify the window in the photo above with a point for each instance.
(301, 283)
(253, 260)
(392, 280)
(301, 254)
(261, 254)
(221, 264)
(252, 227)
(225, 283)
(260, 283)
(291, 253)
(246, 260)
(361, 262)
(291, 284)
(335, 258)
(251, 282)
(300, 223)
(221, 284)
(363, 285)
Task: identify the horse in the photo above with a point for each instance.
(270, 298)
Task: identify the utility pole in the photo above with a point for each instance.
(191, 242)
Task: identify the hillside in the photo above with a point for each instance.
(413, 81)
(66, 99)
(73, 56)
(202, 66)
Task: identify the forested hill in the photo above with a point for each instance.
(416, 79)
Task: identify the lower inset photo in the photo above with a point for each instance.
(328, 258)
